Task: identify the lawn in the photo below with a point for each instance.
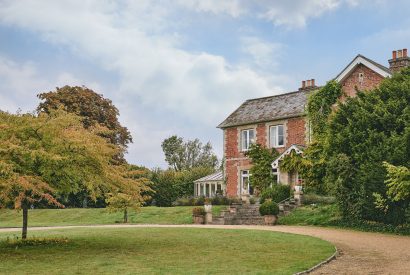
(87, 216)
(328, 215)
(164, 251)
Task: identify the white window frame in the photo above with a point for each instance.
(276, 145)
(246, 144)
(245, 174)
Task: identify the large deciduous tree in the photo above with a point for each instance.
(92, 107)
(182, 155)
(50, 154)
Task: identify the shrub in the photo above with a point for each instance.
(198, 211)
(216, 200)
(252, 200)
(200, 201)
(193, 201)
(317, 199)
(269, 208)
(276, 193)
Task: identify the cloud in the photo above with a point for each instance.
(290, 14)
(263, 54)
(231, 7)
(154, 72)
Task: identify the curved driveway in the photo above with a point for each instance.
(359, 252)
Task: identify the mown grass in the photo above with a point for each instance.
(164, 251)
(89, 216)
(329, 216)
(323, 215)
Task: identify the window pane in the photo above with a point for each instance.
(273, 136)
(281, 140)
(251, 136)
(244, 139)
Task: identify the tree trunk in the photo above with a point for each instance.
(25, 221)
(125, 215)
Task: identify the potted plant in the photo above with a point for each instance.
(198, 214)
(269, 210)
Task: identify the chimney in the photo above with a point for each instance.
(399, 60)
(308, 85)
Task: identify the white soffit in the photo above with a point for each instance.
(357, 61)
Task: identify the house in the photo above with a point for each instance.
(280, 121)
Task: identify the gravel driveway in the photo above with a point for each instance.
(359, 252)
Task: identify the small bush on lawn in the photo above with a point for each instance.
(317, 199)
(276, 193)
(198, 211)
(269, 208)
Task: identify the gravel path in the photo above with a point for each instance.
(359, 252)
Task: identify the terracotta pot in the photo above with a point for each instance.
(198, 219)
(270, 219)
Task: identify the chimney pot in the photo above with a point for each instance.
(303, 84)
(394, 54)
(313, 82)
(404, 52)
(399, 53)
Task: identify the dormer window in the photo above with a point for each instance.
(247, 138)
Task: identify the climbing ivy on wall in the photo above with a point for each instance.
(320, 105)
(261, 170)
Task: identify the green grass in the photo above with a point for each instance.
(88, 216)
(323, 215)
(164, 251)
(328, 215)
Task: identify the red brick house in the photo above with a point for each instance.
(280, 121)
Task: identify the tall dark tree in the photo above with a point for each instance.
(94, 109)
(364, 132)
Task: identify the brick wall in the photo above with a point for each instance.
(236, 161)
(296, 131)
(370, 80)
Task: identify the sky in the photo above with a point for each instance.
(181, 67)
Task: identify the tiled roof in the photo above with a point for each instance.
(267, 109)
(213, 177)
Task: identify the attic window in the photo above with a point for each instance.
(361, 78)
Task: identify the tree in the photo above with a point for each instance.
(50, 154)
(261, 170)
(364, 132)
(122, 202)
(94, 110)
(132, 193)
(169, 185)
(182, 155)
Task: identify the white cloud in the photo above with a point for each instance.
(263, 54)
(291, 14)
(21, 82)
(231, 7)
(153, 71)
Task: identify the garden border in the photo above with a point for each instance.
(331, 258)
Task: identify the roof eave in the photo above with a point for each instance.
(260, 121)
